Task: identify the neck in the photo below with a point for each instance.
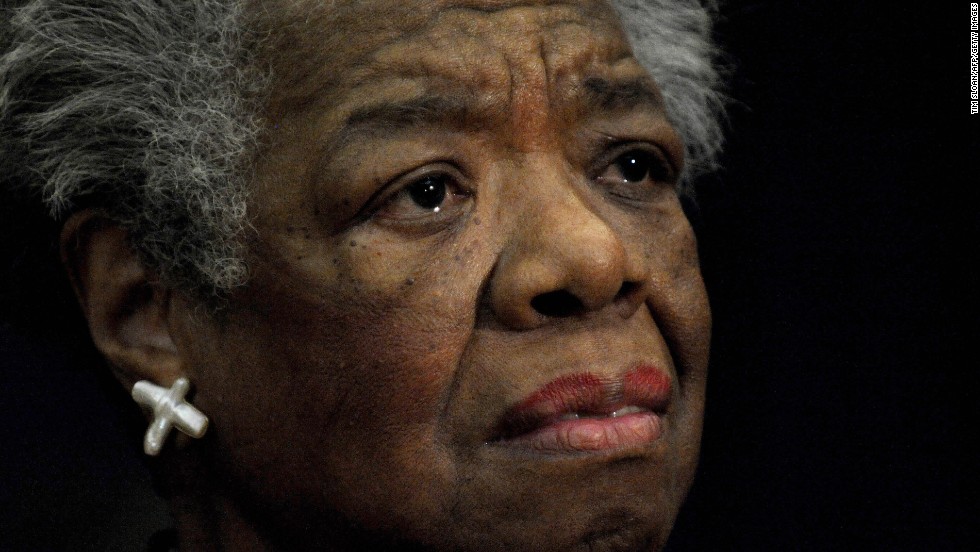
(210, 517)
(207, 518)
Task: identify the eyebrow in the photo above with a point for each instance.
(391, 117)
(459, 110)
(608, 95)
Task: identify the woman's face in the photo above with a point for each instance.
(476, 318)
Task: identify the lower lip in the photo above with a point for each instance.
(593, 434)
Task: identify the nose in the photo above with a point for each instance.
(564, 261)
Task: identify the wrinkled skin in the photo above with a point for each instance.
(354, 386)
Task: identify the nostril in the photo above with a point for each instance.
(557, 304)
(627, 289)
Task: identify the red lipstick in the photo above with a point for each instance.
(586, 412)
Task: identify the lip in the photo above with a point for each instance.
(585, 412)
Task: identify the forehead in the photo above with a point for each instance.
(323, 51)
(316, 20)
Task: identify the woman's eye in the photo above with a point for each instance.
(637, 165)
(637, 174)
(429, 192)
(430, 198)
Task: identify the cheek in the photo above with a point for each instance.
(382, 356)
(396, 330)
(333, 382)
(677, 295)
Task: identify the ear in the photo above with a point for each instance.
(124, 304)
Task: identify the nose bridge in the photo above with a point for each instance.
(583, 251)
(561, 249)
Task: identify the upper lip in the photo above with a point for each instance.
(587, 393)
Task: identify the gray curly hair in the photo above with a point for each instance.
(147, 109)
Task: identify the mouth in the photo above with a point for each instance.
(583, 413)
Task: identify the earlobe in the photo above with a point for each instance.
(125, 306)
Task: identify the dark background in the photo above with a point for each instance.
(837, 245)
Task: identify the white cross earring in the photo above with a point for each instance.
(169, 410)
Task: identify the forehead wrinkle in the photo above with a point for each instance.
(505, 29)
(456, 52)
(545, 52)
(301, 37)
(424, 55)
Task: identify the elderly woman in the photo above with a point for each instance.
(416, 272)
